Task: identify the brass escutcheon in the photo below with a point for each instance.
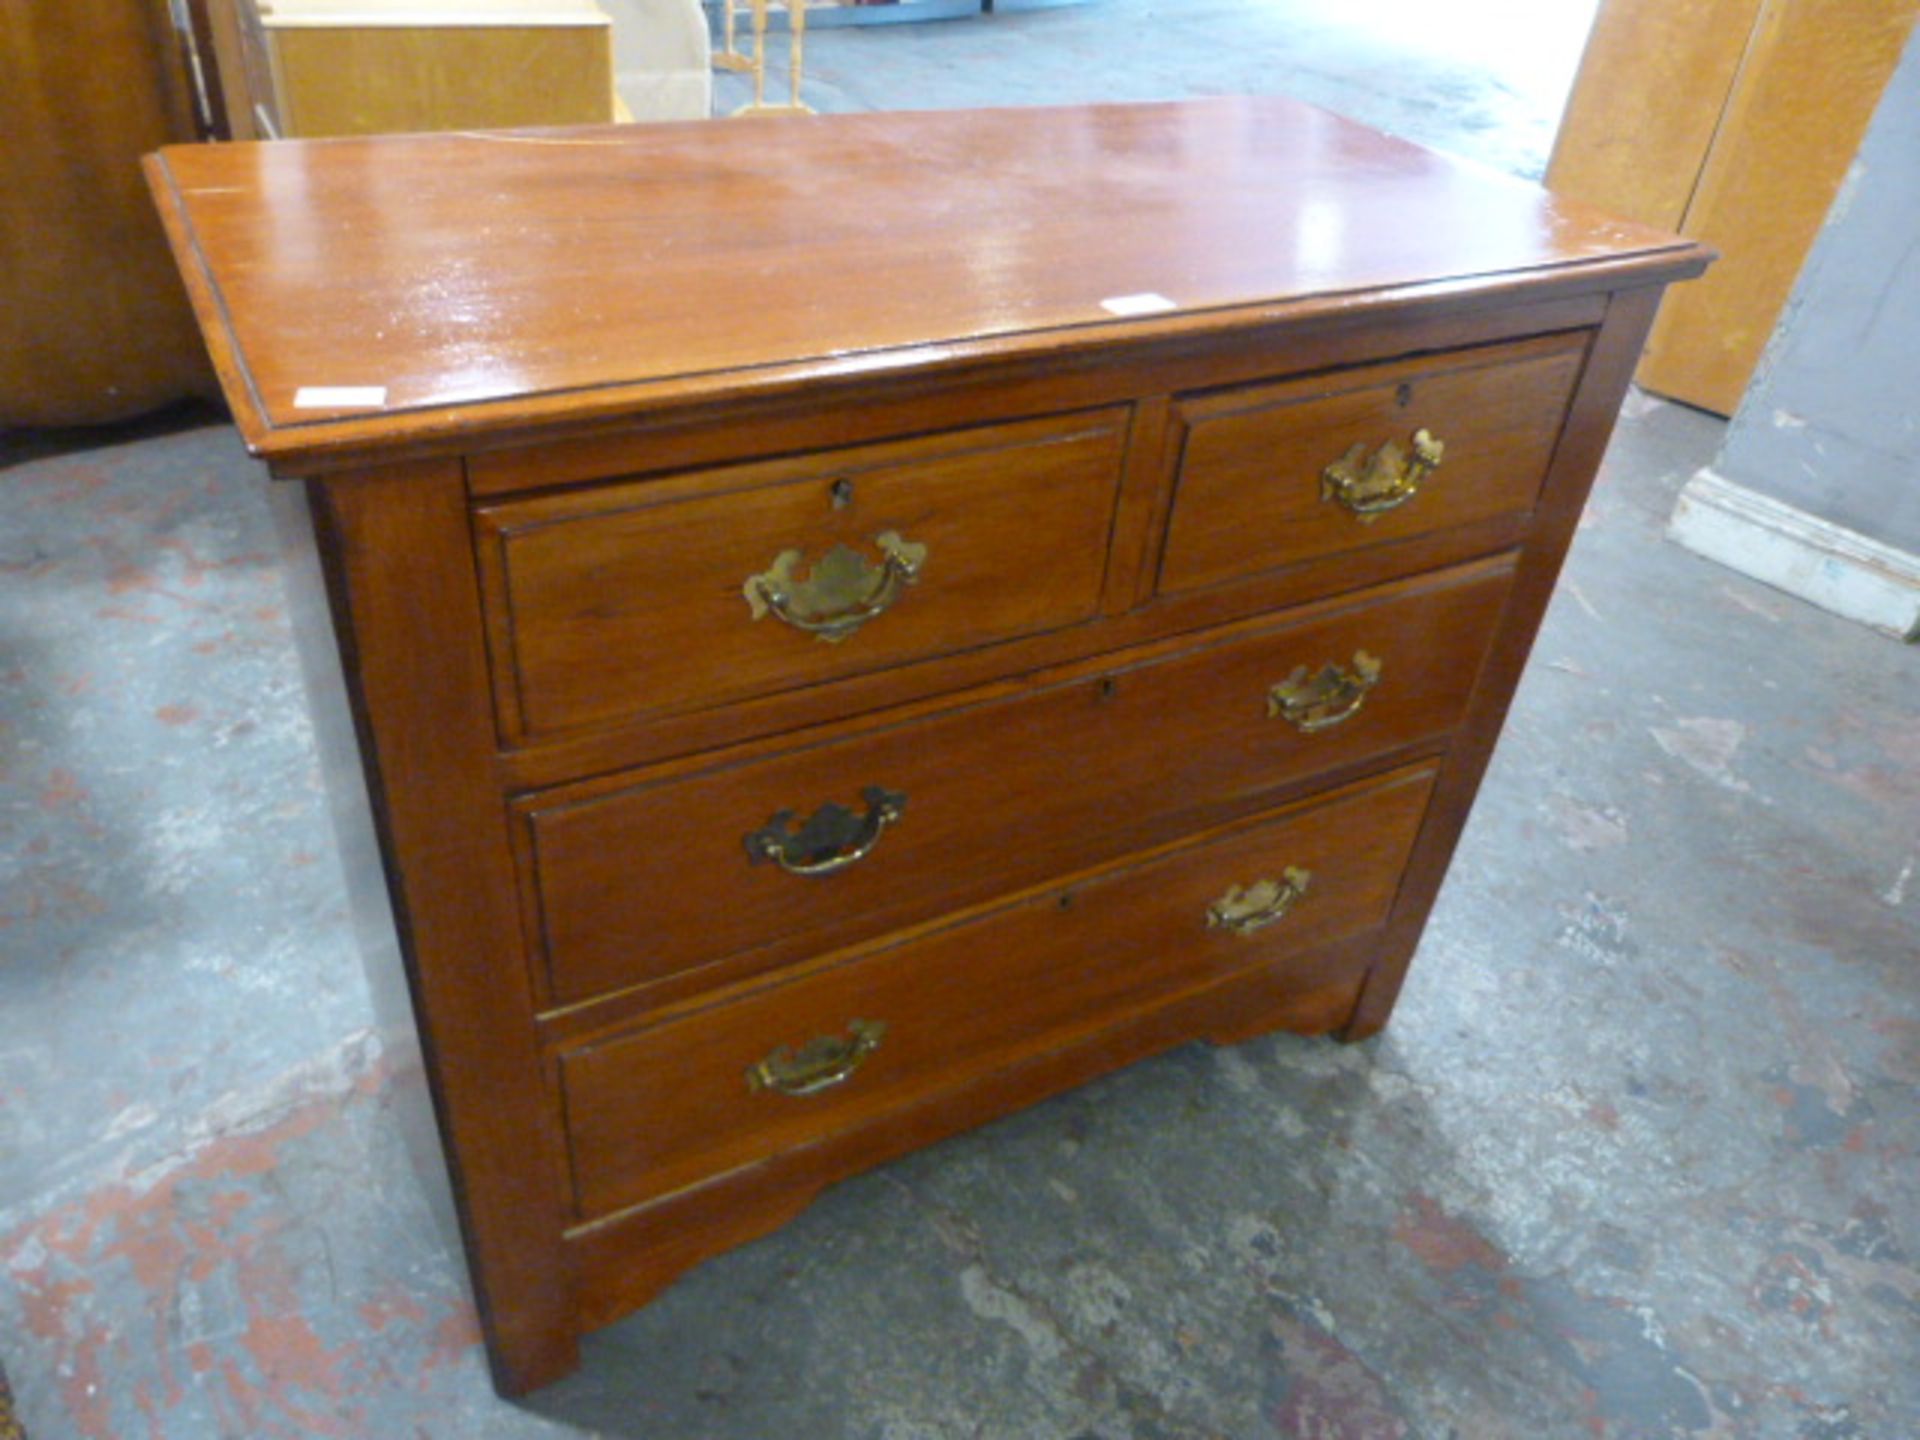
(820, 1064)
(840, 592)
(1369, 486)
(830, 839)
(1319, 702)
(1256, 906)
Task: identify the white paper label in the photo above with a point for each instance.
(340, 397)
(1145, 304)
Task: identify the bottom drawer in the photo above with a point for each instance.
(654, 1110)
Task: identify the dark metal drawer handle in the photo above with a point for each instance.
(1319, 702)
(1369, 486)
(820, 1064)
(841, 591)
(831, 839)
(1256, 906)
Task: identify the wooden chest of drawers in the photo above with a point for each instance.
(854, 627)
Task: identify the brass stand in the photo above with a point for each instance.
(757, 62)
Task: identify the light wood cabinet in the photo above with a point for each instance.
(315, 68)
(1733, 121)
(845, 648)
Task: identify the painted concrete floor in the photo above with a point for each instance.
(1486, 79)
(1636, 1160)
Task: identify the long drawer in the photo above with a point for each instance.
(1274, 475)
(623, 601)
(651, 1111)
(829, 843)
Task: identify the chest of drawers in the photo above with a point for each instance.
(855, 626)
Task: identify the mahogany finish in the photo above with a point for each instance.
(401, 584)
(1136, 358)
(1583, 439)
(1250, 492)
(623, 1260)
(627, 600)
(621, 372)
(684, 261)
(640, 881)
(663, 1107)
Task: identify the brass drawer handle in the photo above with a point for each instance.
(822, 1063)
(1369, 486)
(841, 591)
(1258, 905)
(831, 839)
(1319, 702)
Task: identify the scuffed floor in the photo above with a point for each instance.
(1481, 78)
(1636, 1160)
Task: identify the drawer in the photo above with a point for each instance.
(655, 1110)
(634, 882)
(628, 600)
(1254, 492)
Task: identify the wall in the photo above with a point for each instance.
(1832, 422)
(1823, 454)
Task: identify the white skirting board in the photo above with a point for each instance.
(1818, 561)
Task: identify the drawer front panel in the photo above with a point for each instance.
(656, 1110)
(1253, 493)
(638, 883)
(629, 600)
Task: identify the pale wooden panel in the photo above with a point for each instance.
(348, 79)
(1802, 101)
(1651, 87)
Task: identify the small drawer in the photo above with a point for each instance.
(786, 854)
(1274, 475)
(654, 1110)
(628, 600)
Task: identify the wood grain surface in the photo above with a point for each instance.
(1249, 495)
(666, 1107)
(628, 1258)
(640, 878)
(337, 78)
(484, 280)
(620, 371)
(628, 600)
(1652, 85)
(1596, 402)
(1812, 75)
(400, 582)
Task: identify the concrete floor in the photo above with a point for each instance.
(1636, 1159)
(1485, 79)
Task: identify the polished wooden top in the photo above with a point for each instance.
(477, 281)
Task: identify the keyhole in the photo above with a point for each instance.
(1403, 396)
(1106, 687)
(842, 493)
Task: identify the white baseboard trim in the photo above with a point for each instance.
(1823, 563)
